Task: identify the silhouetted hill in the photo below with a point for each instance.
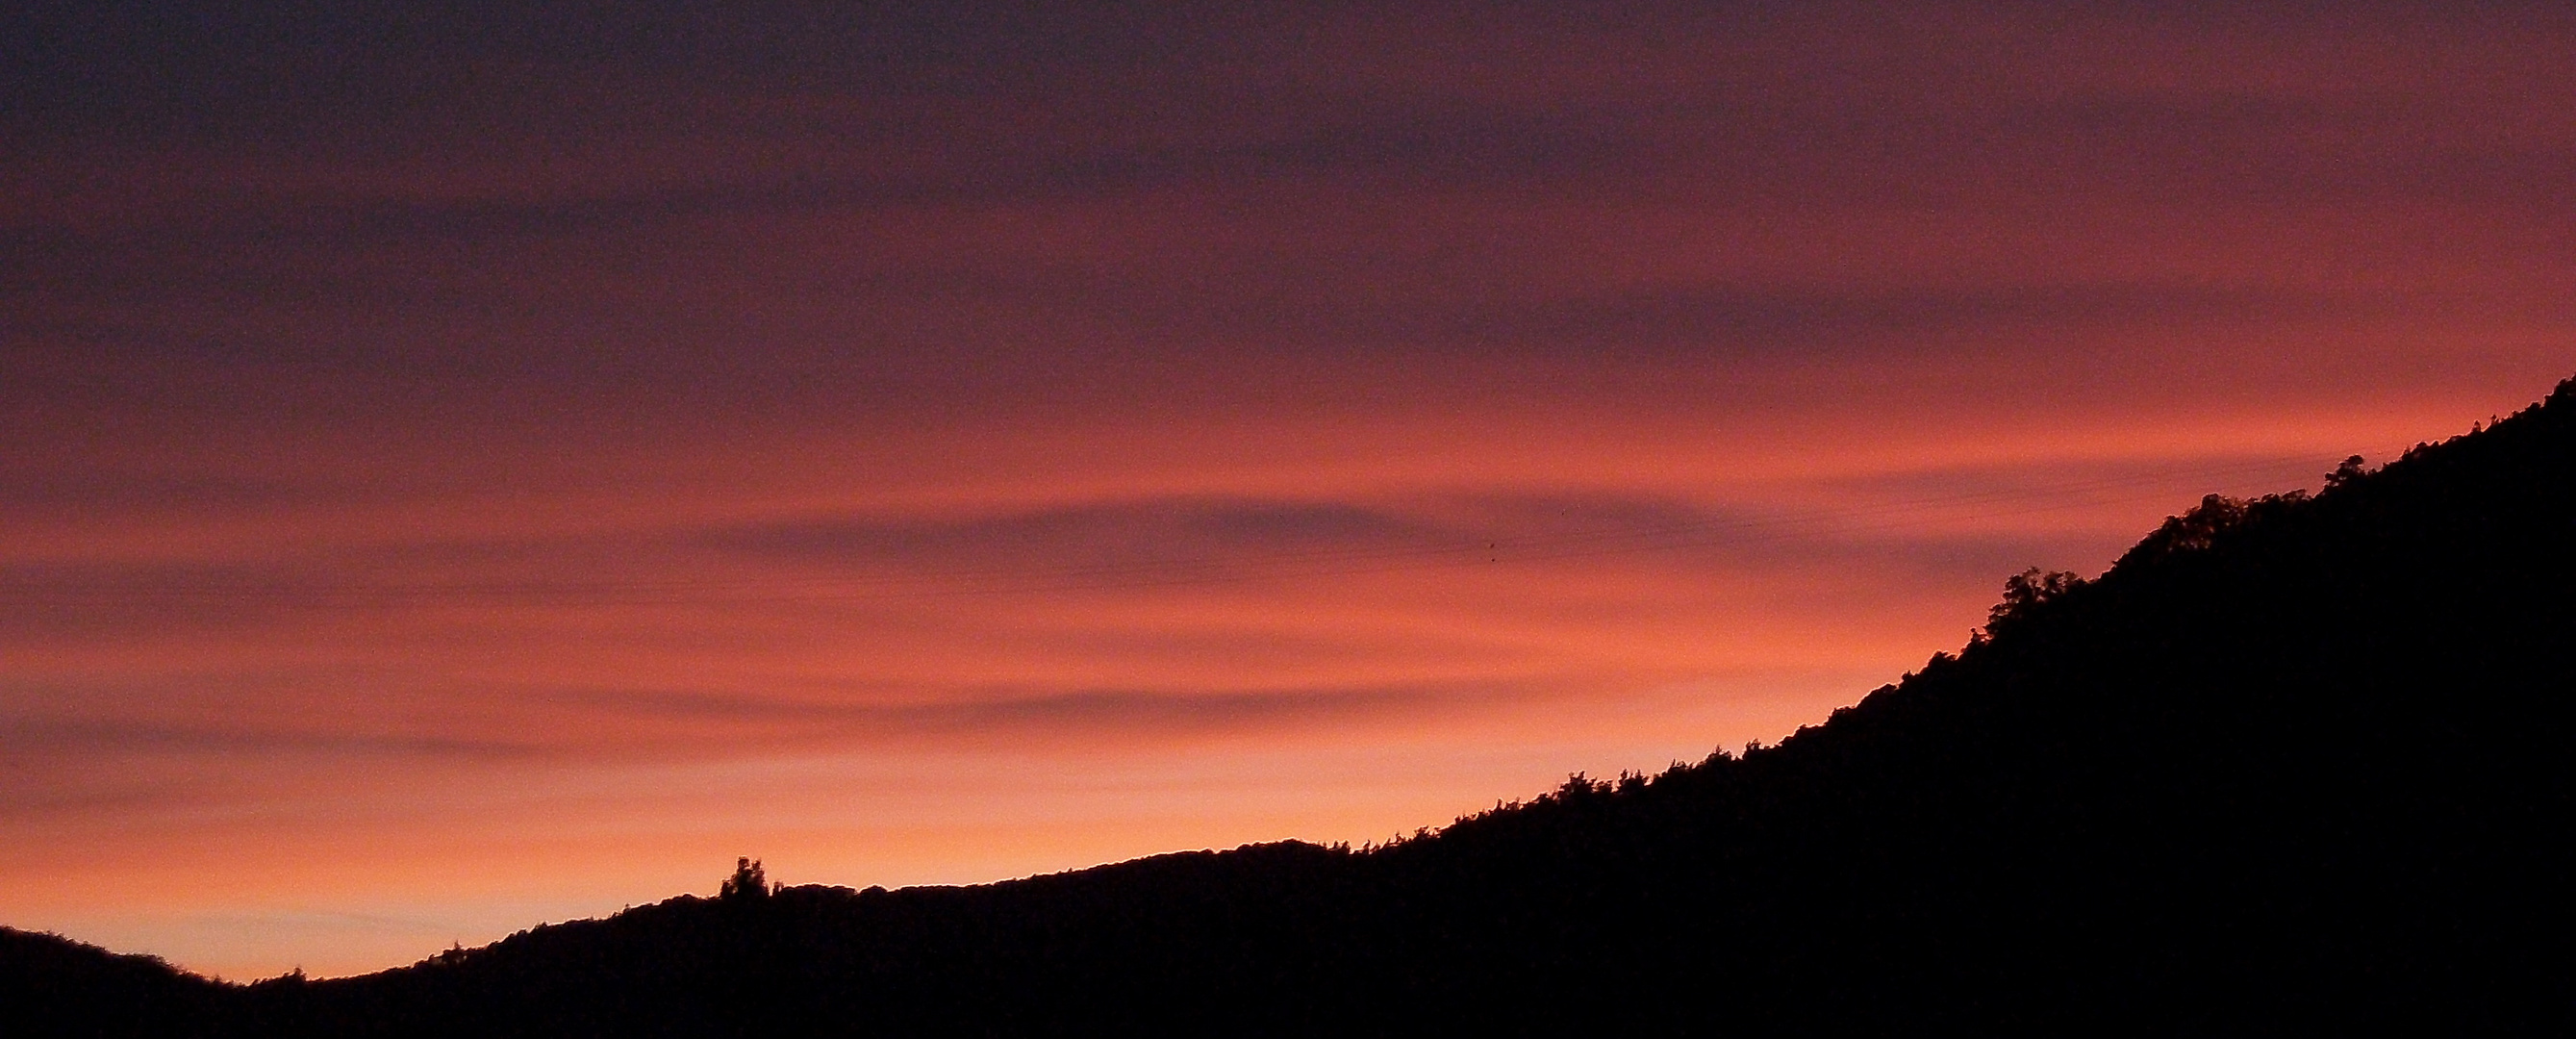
(2294, 765)
(51, 985)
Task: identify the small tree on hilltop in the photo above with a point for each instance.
(2024, 591)
(746, 882)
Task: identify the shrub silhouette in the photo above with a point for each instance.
(747, 882)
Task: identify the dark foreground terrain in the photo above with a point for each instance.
(2292, 766)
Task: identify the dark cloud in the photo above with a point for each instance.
(1709, 322)
(58, 491)
(1067, 715)
(36, 802)
(1190, 540)
(108, 738)
(1143, 540)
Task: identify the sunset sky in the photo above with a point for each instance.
(459, 471)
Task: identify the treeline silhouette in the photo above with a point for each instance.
(2292, 765)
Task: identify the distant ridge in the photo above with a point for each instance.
(2293, 765)
(50, 984)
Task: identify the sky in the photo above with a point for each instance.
(464, 469)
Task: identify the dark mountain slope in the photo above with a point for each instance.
(51, 985)
(2294, 765)
(2286, 764)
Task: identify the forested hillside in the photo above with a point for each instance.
(2291, 765)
